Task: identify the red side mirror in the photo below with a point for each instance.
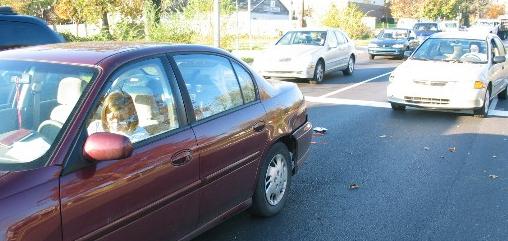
(105, 146)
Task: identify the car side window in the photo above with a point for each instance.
(138, 103)
(246, 83)
(341, 38)
(332, 39)
(500, 47)
(211, 83)
(24, 34)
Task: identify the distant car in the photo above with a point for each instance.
(423, 30)
(308, 54)
(141, 141)
(486, 26)
(452, 71)
(21, 31)
(392, 42)
(449, 26)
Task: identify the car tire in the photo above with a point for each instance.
(350, 66)
(397, 107)
(275, 171)
(319, 73)
(503, 94)
(371, 56)
(484, 110)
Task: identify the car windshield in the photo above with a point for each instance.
(36, 100)
(425, 27)
(393, 34)
(317, 38)
(453, 50)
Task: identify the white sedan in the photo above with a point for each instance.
(308, 54)
(452, 71)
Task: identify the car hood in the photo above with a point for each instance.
(289, 51)
(440, 71)
(389, 41)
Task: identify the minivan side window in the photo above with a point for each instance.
(24, 34)
(138, 103)
(211, 83)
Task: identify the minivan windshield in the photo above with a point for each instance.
(317, 38)
(36, 99)
(453, 50)
(393, 34)
(426, 27)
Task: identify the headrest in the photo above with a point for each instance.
(69, 90)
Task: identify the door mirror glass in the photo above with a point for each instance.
(499, 59)
(104, 146)
(407, 54)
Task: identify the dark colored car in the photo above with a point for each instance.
(132, 141)
(423, 30)
(392, 42)
(20, 30)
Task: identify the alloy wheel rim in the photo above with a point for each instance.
(319, 73)
(276, 179)
(351, 65)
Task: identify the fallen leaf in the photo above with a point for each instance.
(452, 149)
(493, 176)
(382, 136)
(426, 148)
(354, 186)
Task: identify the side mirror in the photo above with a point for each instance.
(103, 146)
(499, 59)
(407, 54)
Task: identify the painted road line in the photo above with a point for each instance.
(353, 86)
(386, 105)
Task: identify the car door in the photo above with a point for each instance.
(229, 126)
(343, 49)
(496, 72)
(332, 54)
(503, 78)
(151, 195)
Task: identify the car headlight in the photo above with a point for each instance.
(398, 46)
(372, 45)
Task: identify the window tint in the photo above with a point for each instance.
(211, 83)
(139, 103)
(25, 34)
(246, 84)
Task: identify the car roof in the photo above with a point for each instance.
(92, 53)
(314, 29)
(462, 35)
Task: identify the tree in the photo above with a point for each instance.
(74, 11)
(348, 19)
(441, 9)
(407, 8)
(494, 11)
(38, 8)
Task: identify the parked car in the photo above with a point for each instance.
(392, 42)
(452, 71)
(308, 54)
(141, 141)
(449, 26)
(423, 30)
(20, 30)
(502, 30)
(485, 26)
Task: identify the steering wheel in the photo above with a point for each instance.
(471, 57)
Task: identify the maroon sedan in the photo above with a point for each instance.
(117, 141)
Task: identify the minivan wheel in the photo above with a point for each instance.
(274, 179)
(484, 110)
(397, 107)
(503, 94)
(319, 73)
(350, 66)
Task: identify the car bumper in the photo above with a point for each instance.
(288, 71)
(303, 137)
(436, 97)
(386, 51)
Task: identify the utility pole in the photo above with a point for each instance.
(303, 14)
(249, 13)
(237, 27)
(216, 38)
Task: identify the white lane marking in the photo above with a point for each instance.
(353, 86)
(386, 105)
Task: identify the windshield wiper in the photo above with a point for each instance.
(422, 59)
(453, 60)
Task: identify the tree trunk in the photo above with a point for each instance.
(105, 24)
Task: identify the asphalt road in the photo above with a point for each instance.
(412, 186)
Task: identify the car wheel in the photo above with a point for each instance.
(503, 94)
(397, 107)
(319, 73)
(350, 66)
(274, 179)
(484, 110)
(371, 56)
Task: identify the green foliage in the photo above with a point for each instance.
(176, 31)
(128, 31)
(349, 20)
(197, 7)
(441, 9)
(99, 37)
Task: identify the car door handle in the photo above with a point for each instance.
(260, 126)
(181, 158)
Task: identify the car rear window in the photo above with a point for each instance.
(25, 34)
